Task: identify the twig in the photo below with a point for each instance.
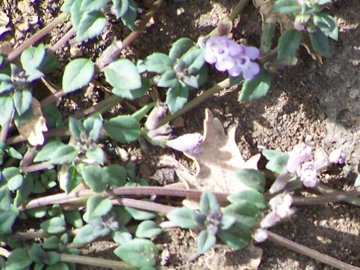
(36, 37)
(63, 198)
(336, 196)
(145, 205)
(62, 41)
(97, 262)
(37, 167)
(314, 254)
(48, 134)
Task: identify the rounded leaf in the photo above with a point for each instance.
(123, 128)
(123, 74)
(78, 73)
(138, 252)
(147, 229)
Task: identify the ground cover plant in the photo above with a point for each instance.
(61, 189)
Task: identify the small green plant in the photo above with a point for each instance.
(57, 173)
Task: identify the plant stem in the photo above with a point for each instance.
(37, 167)
(114, 49)
(196, 101)
(48, 134)
(97, 262)
(326, 190)
(36, 37)
(144, 205)
(237, 9)
(62, 41)
(336, 196)
(63, 198)
(314, 254)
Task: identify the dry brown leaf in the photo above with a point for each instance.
(217, 160)
(33, 128)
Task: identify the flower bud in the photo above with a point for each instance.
(155, 115)
(337, 156)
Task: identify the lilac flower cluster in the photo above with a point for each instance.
(229, 56)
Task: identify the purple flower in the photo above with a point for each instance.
(280, 208)
(308, 174)
(260, 235)
(227, 55)
(186, 143)
(155, 115)
(337, 156)
(297, 156)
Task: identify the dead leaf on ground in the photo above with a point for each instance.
(217, 160)
(33, 128)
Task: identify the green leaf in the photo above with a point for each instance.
(123, 74)
(320, 43)
(286, 6)
(208, 203)
(64, 154)
(245, 213)
(32, 57)
(123, 128)
(58, 266)
(67, 5)
(138, 252)
(22, 101)
(96, 154)
(7, 219)
(78, 73)
(267, 36)
(48, 150)
(129, 17)
(167, 79)
(96, 207)
(37, 254)
(115, 175)
(91, 25)
(121, 236)
(54, 225)
(135, 93)
(76, 127)
(49, 64)
(205, 241)
(251, 178)
(158, 63)
(288, 44)
(93, 5)
(176, 97)
(73, 217)
(93, 126)
(120, 7)
(235, 237)
(18, 260)
(15, 182)
(179, 47)
(51, 242)
(85, 235)
(12, 152)
(7, 109)
(252, 196)
(227, 221)
(277, 160)
(327, 25)
(147, 229)
(140, 214)
(255, 88)
(183, 217)
(93, 177)
(76, 14)
(53, 116)
(194, 59)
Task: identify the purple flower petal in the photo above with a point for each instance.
(235, 71)
(252, 70)
(224, 63)
(252, 52)
(337, 156)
